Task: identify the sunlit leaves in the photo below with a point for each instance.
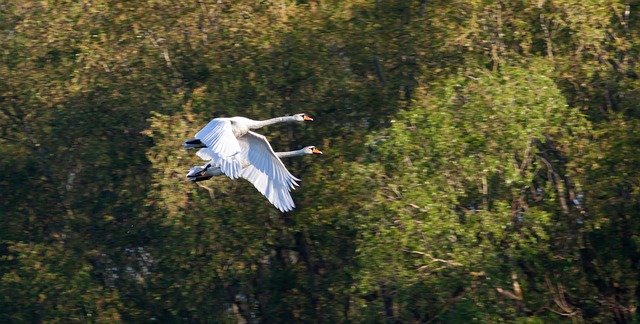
(460, 161)
(480, 161)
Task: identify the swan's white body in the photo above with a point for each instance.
(220, 139)
(276, 191)
(230, 145)
(208, 170)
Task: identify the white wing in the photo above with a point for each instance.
(222, 146)
(266, 172)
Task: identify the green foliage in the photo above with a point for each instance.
(480, 161)
(460, 163)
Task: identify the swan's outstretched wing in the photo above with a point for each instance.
(222, 146)
(266, 172)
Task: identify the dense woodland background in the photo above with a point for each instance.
(481, 163)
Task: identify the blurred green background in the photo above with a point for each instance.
(481, 163)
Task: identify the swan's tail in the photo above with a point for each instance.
(196, 171)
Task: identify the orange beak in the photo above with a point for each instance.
(307, 118)
(316, 151)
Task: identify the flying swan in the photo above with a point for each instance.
(208, 170)
(219, 141)
(278, 192)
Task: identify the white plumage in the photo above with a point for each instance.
(236, 151)
(222, 145)
(218, 140)
(274, 183)
(266, 172)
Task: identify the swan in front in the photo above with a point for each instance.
(219, 140)
(275, 183)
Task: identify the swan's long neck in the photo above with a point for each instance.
(289, 154)
(262, 123)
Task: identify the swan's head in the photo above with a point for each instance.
(302, 117)
(311, 150)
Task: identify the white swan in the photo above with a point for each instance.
(277, 192)
(208, 170)
(219, 140)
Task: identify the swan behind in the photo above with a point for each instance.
(275, 185)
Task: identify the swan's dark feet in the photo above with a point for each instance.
(198, 179)
(193, 143)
